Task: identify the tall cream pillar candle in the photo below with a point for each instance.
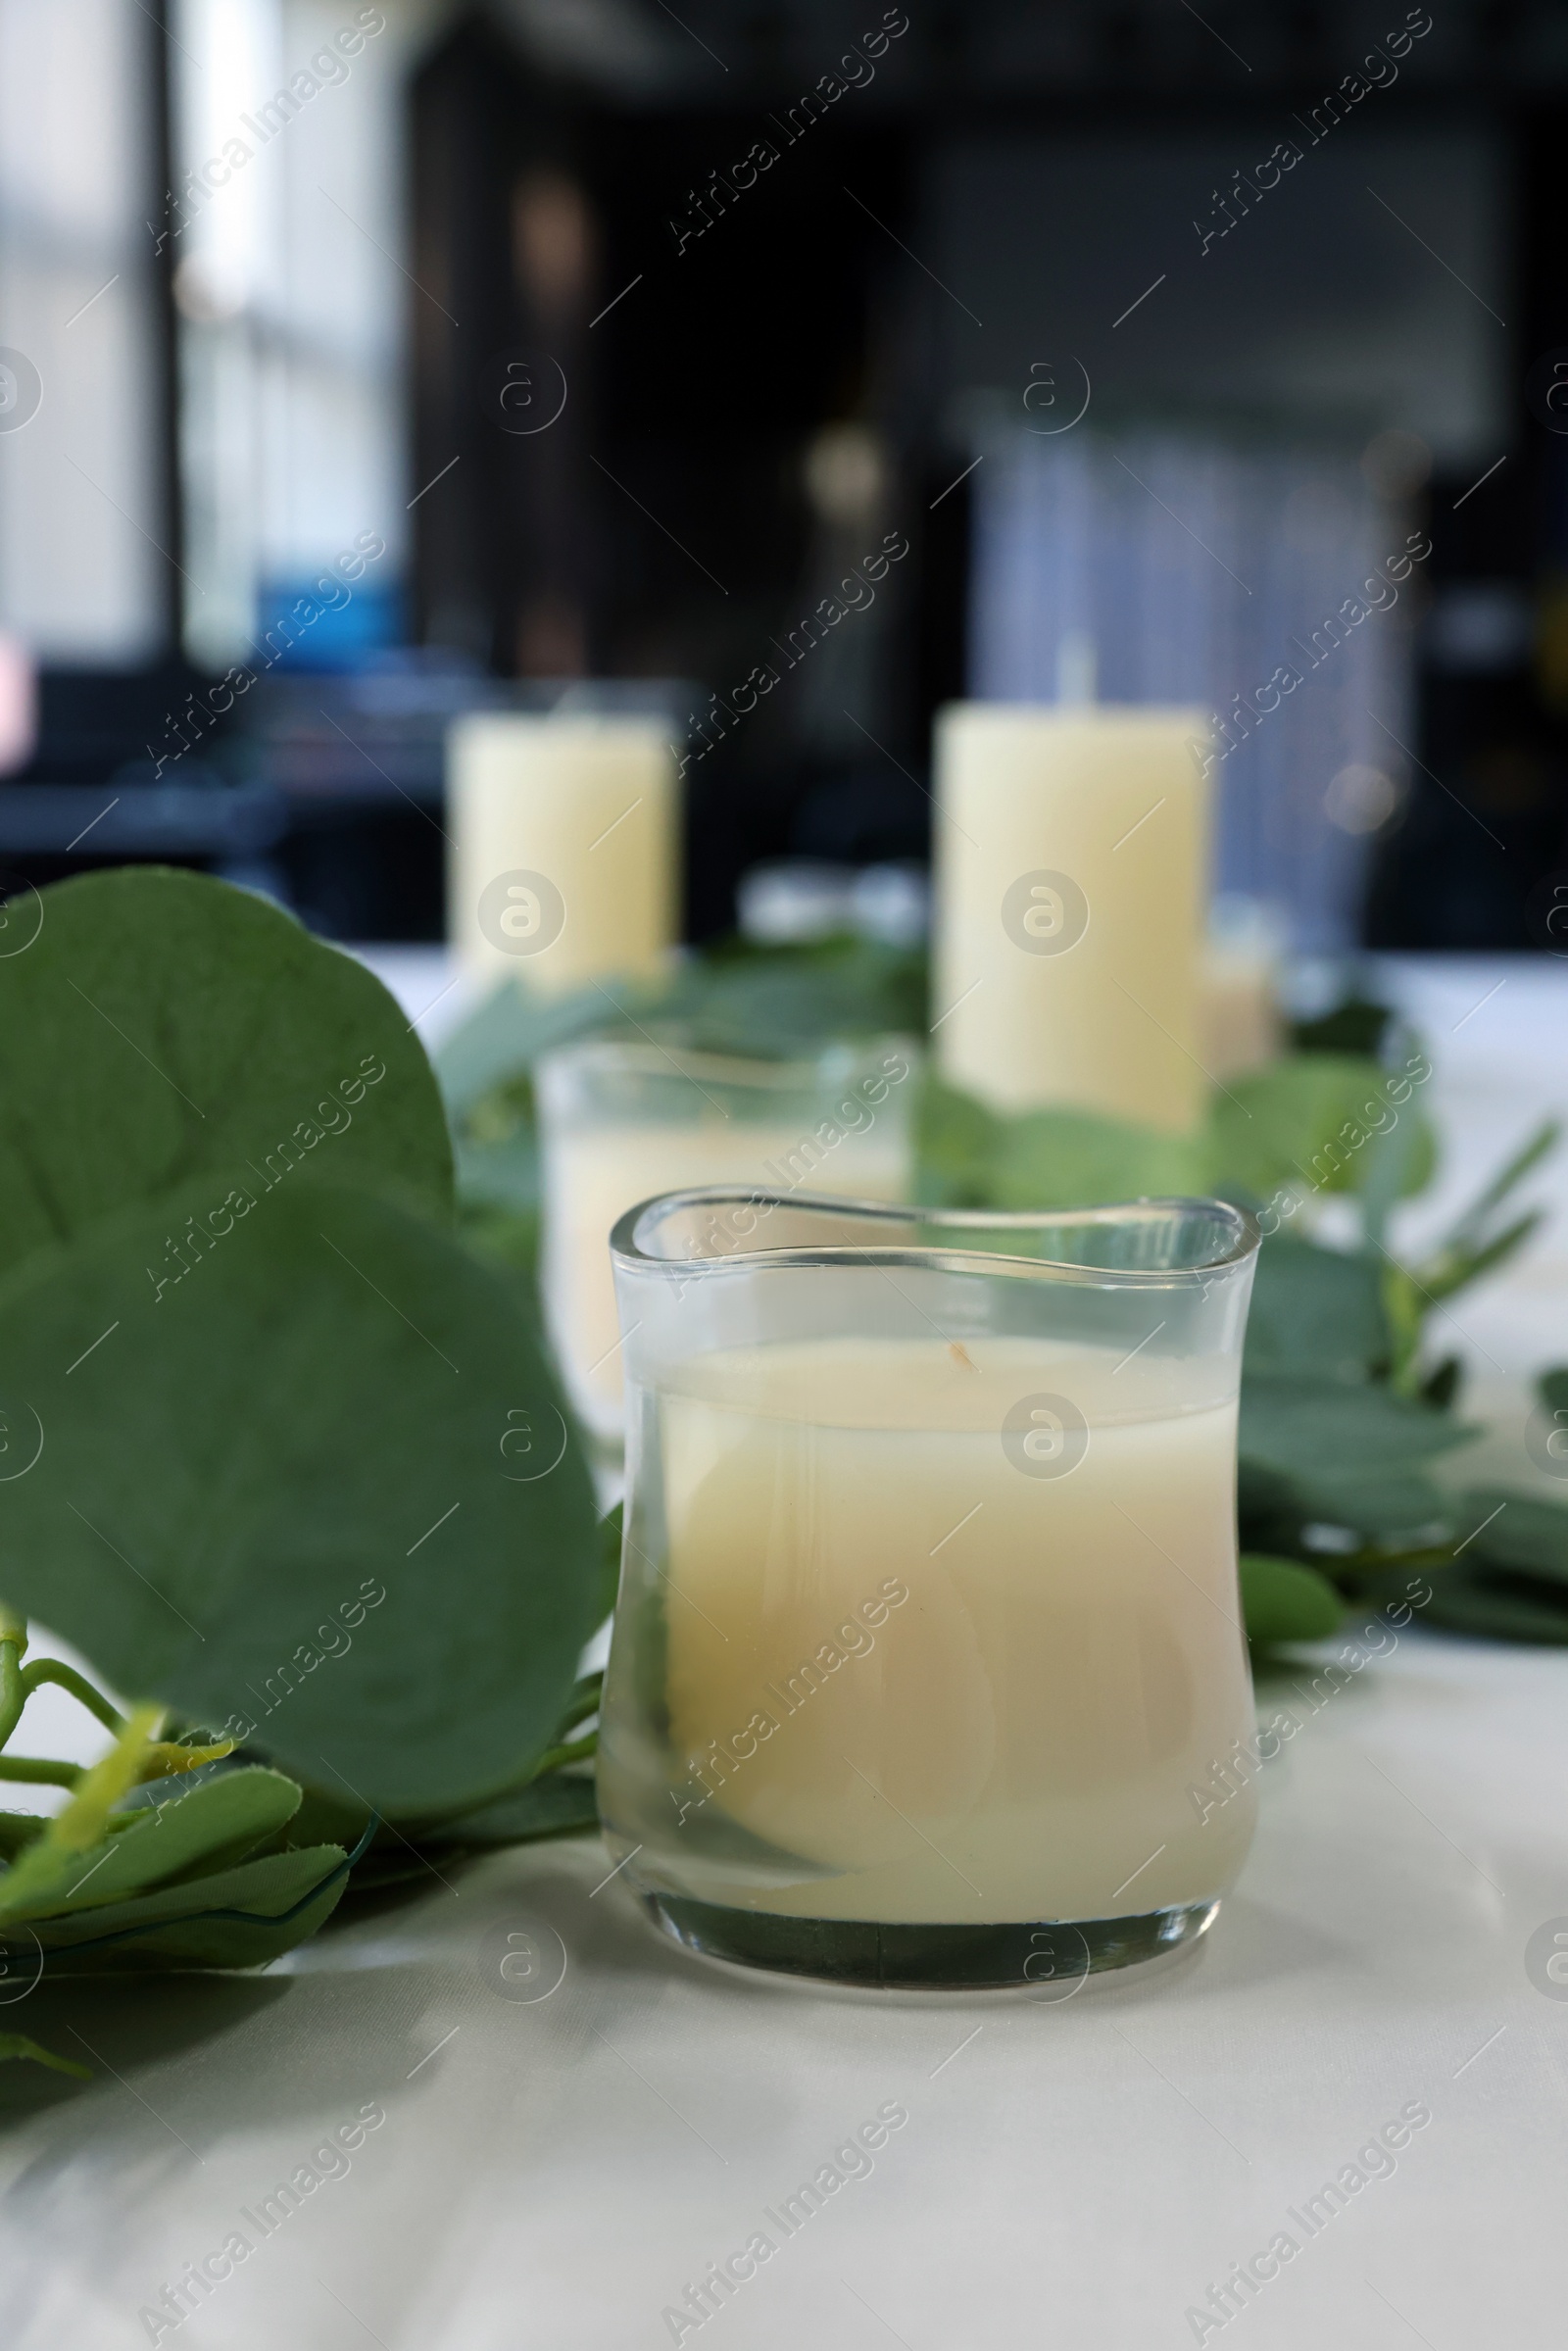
(1071, 888)
(563, 864)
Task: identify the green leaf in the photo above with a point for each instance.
(1398, 1164)
(1454, 1269)
(1316, 1310)
(77, 1841)
(1300, 1122)
(1073, 1159)
(208, 1828)
(508, 1031)
(956, 1141)
(786, 1001)
(502, 1174)
(1378, 1500)
(1477, 1602)
(325, 1820)
(501, 1238)
(1355, 1027)
(1283, 1600)
(162, 1027)
(560, 1804)
(18, 1830)
(1405, 1310)
(240, 1917)
(277, 1496)
(1519, 1531)
(17, 2044)
(1345, 1454)
(1471, 1247)
(1469, 1230)
(1552, 1389)
(734, 998)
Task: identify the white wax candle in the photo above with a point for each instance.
(1240, 1009)
(902, 1676)
(563, 864)
(1071, 889)
(593, 1174)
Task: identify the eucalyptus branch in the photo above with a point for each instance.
(553, 1757)
(13, 1692)
(54, 1669)
(583, 1701)
(42, 1769)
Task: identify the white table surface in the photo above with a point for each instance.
(1072, 2172)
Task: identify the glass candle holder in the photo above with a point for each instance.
(928, 1637)
(622, 1118)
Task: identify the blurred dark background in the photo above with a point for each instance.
(365, 331)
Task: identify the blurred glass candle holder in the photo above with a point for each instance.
(621, 1119)
(928, 1640)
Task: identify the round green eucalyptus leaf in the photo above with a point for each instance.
(1075, 1159)
(155, 1024)
(1313, 1121)
(1284, 1600)
(319, 1492)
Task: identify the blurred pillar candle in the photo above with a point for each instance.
(1072, 886)
(564, 863)
(1241, 1017)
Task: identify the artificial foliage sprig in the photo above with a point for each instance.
(165, 1882)
(255, 1390)
(155, 1758)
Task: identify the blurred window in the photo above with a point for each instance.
(82, 576)
(286, 219)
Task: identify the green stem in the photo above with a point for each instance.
(583, 1701)
(13, 1692)
(40, 1768)
(53, 1669)
(552, 1759)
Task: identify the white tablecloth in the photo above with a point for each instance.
(560, 2171)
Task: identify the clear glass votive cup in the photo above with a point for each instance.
(622, 1118)
(928, 1641)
